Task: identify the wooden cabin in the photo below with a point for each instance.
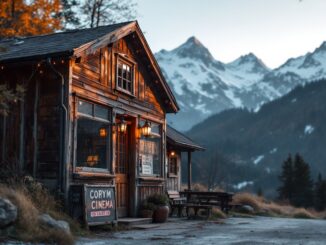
(93, 114)
(178, 143)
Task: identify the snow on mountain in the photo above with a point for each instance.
(204, 86)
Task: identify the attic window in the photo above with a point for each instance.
(125, 76)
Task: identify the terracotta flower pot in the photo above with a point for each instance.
(161, 214)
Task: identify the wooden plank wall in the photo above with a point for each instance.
(98, 71)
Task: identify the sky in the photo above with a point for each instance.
(274, 30)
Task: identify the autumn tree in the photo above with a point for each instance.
(103, 12)
(26, 18)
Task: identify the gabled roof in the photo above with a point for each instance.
(52, 44)
(178, 139)
(77, 42)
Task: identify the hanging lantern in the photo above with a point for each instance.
(123, 126)
(103, 132)
(146, 129)
(172, 153)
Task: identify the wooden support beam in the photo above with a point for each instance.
(36, 98)
(189, 170)
(21, 136)
(4, 124)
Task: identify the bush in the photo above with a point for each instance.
(158, 199)
(147, 205)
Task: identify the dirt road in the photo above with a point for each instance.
(259, 230)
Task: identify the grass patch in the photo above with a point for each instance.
(32, 200)
(264, 207)
(217, 214)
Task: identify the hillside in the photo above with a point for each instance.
(254, 144)
(205, 86)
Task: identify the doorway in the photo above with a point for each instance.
(122, 171)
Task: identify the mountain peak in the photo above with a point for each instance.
(194, 49)
(252, 60)
(194, 41)
(321, 47)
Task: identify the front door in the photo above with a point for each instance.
(122, 170)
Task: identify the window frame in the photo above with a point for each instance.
(172, 174)
(81, 169)
(161, 160)
(123, 60)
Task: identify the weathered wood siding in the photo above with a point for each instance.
(97, 73)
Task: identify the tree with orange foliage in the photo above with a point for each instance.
(22, 18)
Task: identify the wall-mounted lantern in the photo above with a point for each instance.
(123, 126)
(172, 153)
(146, 129)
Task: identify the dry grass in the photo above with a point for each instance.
(262, 206)
(28, 227)
(218, 214)
(200, 187)
(302, 213)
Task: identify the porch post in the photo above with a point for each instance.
(189, 170)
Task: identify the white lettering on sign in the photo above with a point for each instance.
(102, 204)
(99, 194)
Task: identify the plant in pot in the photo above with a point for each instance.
(161, 212)
(147, 209)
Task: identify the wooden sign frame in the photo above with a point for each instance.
(94, 223)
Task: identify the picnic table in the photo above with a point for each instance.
(221, 199)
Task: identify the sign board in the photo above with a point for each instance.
(99, 204)
(146, 163)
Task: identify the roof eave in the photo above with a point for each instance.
(38, 57)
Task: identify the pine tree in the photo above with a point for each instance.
(287, 186)
(303, 185)
(320, 194)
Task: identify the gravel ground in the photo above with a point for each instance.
(258, 230)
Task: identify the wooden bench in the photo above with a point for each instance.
(180, 203)
(220, 199)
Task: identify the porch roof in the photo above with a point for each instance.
(178, 139)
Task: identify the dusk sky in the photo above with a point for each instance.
(274, 30)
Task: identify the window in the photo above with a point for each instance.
(150, 156)
(173, 166)
(93, 136)
(125, 76)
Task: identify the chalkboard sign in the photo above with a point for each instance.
(100, 204)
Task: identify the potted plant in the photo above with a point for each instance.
(147, 209)
(161, 212)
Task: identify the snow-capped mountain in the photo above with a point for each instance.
(204, 86)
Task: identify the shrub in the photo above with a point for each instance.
(147, 205)
(158, 199)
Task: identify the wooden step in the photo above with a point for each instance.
(134, 221)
